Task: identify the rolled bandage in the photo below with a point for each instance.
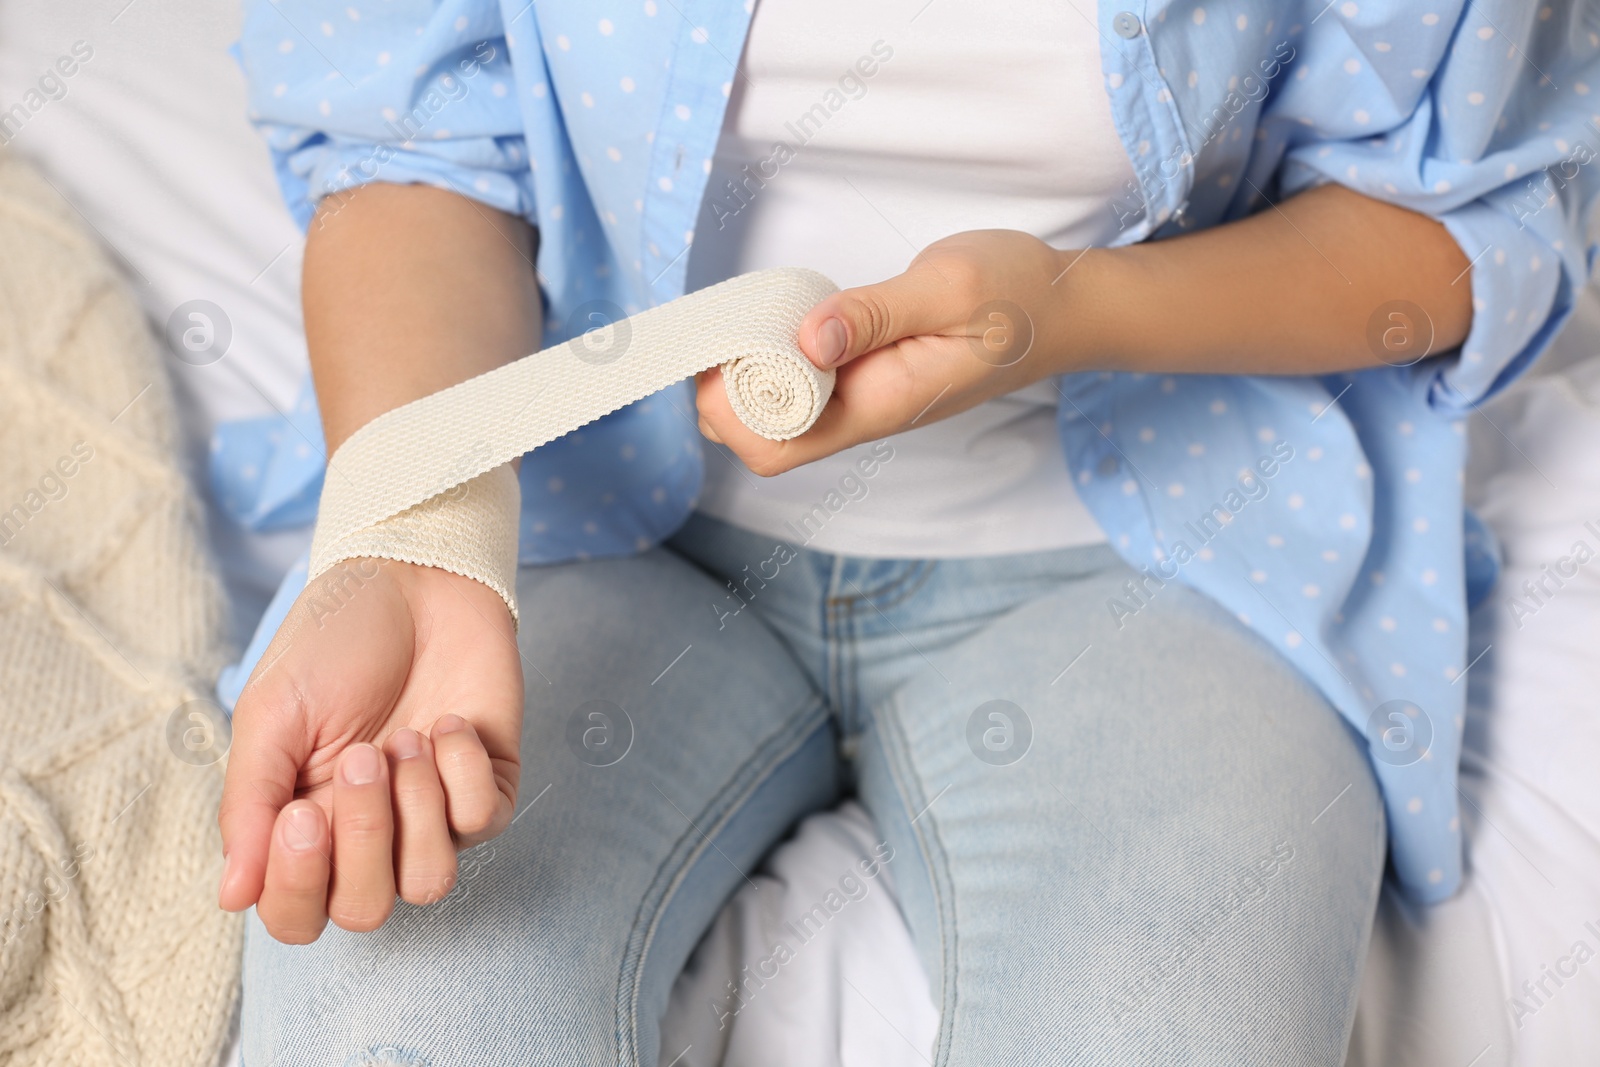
(428, 483)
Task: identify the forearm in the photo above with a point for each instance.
(407, 290)
(1290, 290)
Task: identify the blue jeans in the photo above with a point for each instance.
(1140, 841)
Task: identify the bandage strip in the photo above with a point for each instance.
(391, 490)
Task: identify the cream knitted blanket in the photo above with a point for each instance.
(112, 948)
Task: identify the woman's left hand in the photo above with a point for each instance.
(984, 313)
(975, 316)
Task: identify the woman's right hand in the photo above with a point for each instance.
(379, 733)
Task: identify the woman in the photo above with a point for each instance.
(1122, 578)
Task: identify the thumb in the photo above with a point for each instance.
(860, 320)
(269, 747)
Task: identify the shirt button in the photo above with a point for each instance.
(1108, 466)
(1126, 24)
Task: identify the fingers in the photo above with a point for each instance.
(424, 854)
(362, 892)
(388, 825)
(856, 321)
(718, 423)
(874, 398)
(295, 892)
(702, 383)
(477, 808)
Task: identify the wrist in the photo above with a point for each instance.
(1095, 309)
(470, 530)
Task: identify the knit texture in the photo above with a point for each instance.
(402, 461)
(112, 948)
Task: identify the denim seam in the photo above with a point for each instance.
(910, 587)
(1381, 848)
(898, 591)
(844, 642)
(835, 651)
(831, 618)
(754, 771)
(850, 681)
(903, 770)
(841, 634)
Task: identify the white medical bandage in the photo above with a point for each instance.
(391, 490)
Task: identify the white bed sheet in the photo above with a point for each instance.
(850, 992)
(151, 146)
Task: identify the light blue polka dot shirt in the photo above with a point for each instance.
(1325, 512)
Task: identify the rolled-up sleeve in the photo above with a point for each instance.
(1480, 115)
(400, 91)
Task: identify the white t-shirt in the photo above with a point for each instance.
(852, 140)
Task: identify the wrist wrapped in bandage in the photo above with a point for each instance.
(469, 529)
(394, 489)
